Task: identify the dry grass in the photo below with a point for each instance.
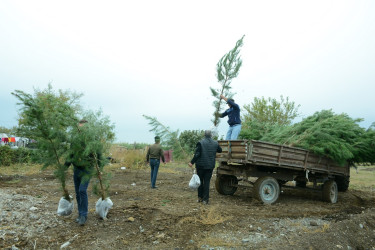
(129, 158)
(211, 216)
(20, 169)
(322, 229)
(364, 179)
(217, 242)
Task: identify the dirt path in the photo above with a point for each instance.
(169, 217)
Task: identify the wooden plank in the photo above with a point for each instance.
(239, 149)
(222, 155)
(239, 156)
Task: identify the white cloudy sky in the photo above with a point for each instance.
(158, 58)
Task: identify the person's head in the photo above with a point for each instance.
(207, 133)
(231, 101)
(82, 122)
(157, 139)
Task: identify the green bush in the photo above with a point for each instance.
(6, 155)
(10, 156)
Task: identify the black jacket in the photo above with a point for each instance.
(205, 153)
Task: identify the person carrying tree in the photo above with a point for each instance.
(234, 119)
(154, 153)
(204, 160)
(83, 164)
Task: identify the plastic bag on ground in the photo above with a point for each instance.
(65, 207)
(103, 206)
(195, 182)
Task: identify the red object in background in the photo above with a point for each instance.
(168, 155)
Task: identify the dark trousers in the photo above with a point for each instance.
(81, 186)
(154, 164)
(205, 178)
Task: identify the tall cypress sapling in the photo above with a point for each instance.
(227, 69)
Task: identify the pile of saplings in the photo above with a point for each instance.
(336, 136)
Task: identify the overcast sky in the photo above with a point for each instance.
(158, 58)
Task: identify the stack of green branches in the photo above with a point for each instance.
(336, 136)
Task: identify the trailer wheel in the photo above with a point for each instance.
(267, 189)
(330, 191)
(342, 183)
(226, 184)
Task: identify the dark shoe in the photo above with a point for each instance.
(205, 202)
(82, 220)
(154, 187)
(199, 200)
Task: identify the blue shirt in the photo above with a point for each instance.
(233, 113)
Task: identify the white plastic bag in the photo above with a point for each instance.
(65, 207)
(102, 207)
(195, 182)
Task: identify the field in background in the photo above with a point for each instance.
(361, 179)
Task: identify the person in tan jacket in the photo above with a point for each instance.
(154, 153)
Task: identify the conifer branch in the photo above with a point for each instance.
(226, 70)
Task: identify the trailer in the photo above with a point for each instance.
(274, 165)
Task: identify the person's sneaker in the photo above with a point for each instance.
(154, 187)
(205, 202)
(199, 200)
(82, 220)
(77, 220)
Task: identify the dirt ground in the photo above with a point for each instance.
(170, 218)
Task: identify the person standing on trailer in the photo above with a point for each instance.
(234, 119)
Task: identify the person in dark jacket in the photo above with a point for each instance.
(234, 119)
(83, 171)
(204, 160)
(154, 153)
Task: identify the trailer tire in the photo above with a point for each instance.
(342, 183)
(224, 184)
(330, 191)
(267, 189)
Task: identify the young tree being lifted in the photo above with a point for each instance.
(47, 117)
(227, 69)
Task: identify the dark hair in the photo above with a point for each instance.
(83, 121)
(157, 138)
(231, 99)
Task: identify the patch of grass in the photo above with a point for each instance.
(217, 242)
(164, 202)
(323, 229)
(207, 217)
(363, 179)
(14, 181)
(167, 169)
(129, 158)
(20, 169)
